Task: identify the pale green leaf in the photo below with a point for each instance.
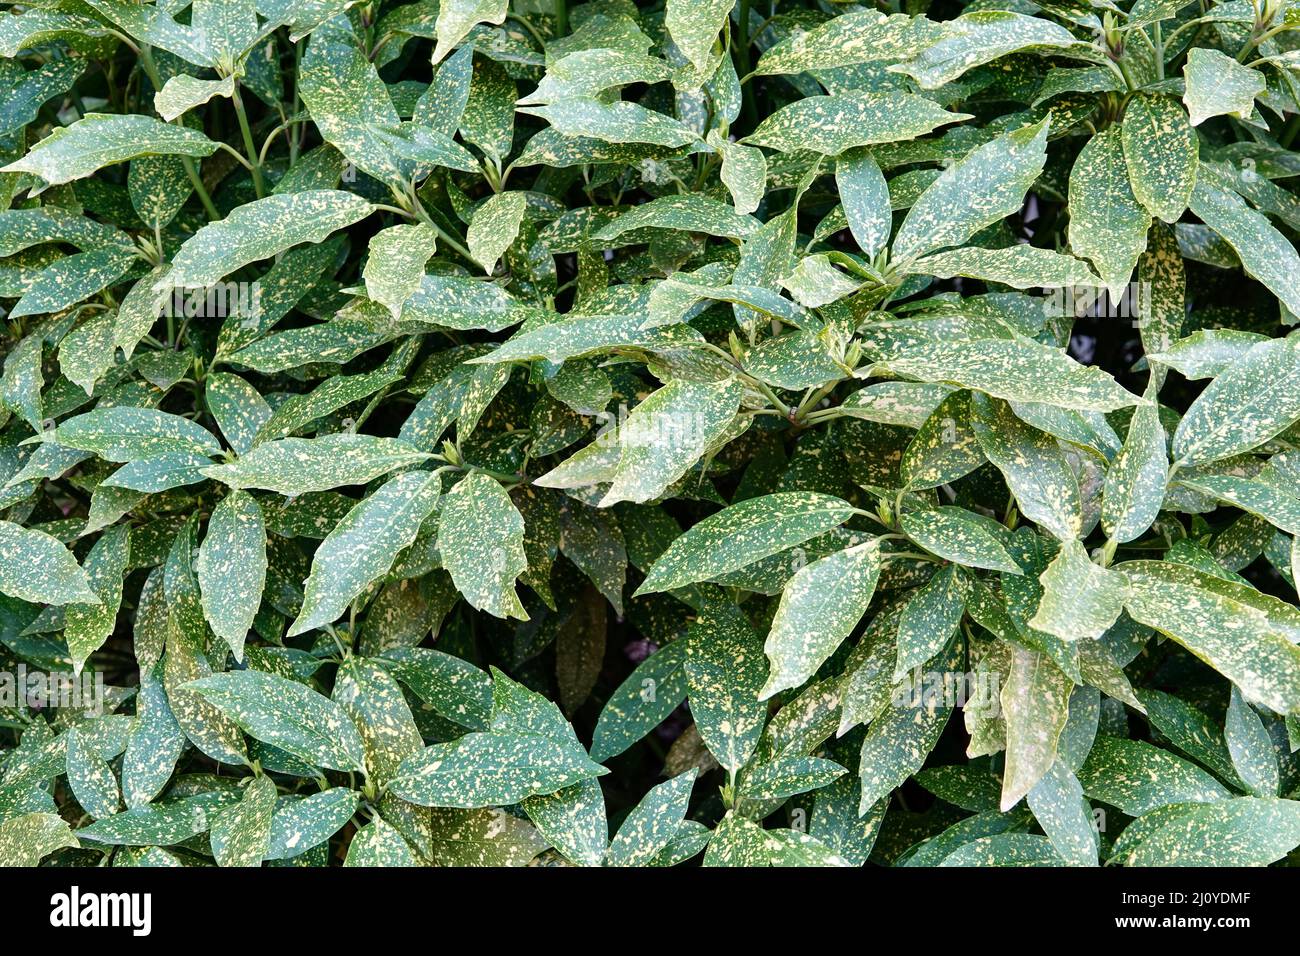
(231, 568)
(1216, 84)
(481, 539)
(362, 547)
(819, 607)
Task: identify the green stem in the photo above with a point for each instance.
(1159, 43)
(740, 42)
(417, 208)
(197, 182)
(1255, 41)
(561, 17)
(151, 71)
(908, 555)
(1126, 74)
(259, 186)
(1289, 134)
(295, 138)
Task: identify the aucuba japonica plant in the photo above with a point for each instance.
(748, 432)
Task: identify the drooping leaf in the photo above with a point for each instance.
(1217, 84)
(742, 534)
(288, 715)
(231, 568)
(99, 139)
(362, 546)
(1161, 154)
(725, 670)
(820, 605)
(261, 230)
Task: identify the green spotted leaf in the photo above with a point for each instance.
(299, 825)
(362, 546)
(28, 838)
(288, 715)
(398, 256)
(860, 36)
(1059, 806)
(929, 619)
(744, 172)
(1107, 224)
(1138, 777)
(455, 688)
(379, 844)
(153, 745)
(481, 539)
(1034, 466)
(1135, 482)
(654, 689)
(690, 213)
(1222, 623)
(89, 625)
(1035, 705)
(131, 434)
(294, 466)
(1274, 505)
(457, 17)
(742, 534)
(37, 567)
(977, 38)
(231, 568)
(694, 26)
(820, 605)
(488, 837)
(91, 778)
(668, 433)
(1265, 253)
(573, 819)
(374, 701)
(99, 139)
(1161, 154)
(1254, 398)
(261, 230)
(832, 124)
(494, 226)
(1250, 747)
(1217, 85)
(900, 738)
(1245, 831)
(491, 769)
(986, 186)
(865, 196)
(241, 833)
(1021, 267)
(961, 536)
(652, 824)
(725, 671)
(183, 93)
(1080, 600)
(73, 279)
(620, 122)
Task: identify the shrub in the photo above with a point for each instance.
(779, 433)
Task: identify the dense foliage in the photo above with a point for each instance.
(774, 432)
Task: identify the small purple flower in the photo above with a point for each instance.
(638, 650)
